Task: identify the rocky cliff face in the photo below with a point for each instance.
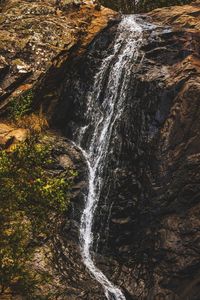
(36, 38)
(147, 220)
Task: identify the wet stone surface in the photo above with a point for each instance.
(146, 226)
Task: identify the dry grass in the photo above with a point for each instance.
(35, 123)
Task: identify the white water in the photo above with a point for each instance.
(118, 65)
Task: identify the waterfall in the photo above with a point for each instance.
(115, 69)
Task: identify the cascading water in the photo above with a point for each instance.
(115, 69)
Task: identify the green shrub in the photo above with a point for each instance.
(32, 200)
(21, 105)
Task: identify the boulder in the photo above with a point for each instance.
(10, 135)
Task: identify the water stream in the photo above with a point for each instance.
(115, 69)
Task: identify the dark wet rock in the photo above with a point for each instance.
(69, 269)
(146, 227)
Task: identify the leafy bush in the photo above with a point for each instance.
(31, 200)
(21, 105)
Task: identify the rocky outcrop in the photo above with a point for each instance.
(10, 135)
(177, 249)
(36, 38)
(147, 224)
(148, 217)
(185, 17)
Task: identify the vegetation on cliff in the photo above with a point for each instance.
(21, 105)
(32, 200)
(35, 185)
(37, 37)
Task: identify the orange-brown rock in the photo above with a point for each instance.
(10, 135)
(38, 34)
(187, 16)
(153, 217)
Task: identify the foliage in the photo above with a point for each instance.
(130, 6)
(21, 105)
(31, 200)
